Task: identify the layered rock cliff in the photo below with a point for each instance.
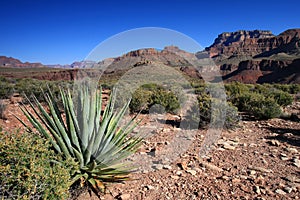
(254, 43)
(250, 56)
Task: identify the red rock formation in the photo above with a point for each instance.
(254, 43)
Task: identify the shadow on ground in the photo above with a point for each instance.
(288, 135)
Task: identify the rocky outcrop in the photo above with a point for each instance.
(251, 56)
(170, 56)
(265, 71)
(254, 43)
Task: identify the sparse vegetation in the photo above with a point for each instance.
(151, 94)
(261, 101)
(31, 170)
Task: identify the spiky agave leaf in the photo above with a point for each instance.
(94, 139)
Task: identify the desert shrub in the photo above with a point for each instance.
(166, 99)
(265, 109)
(237, 88)
(214, 112)
(258, 105)
(289, 88)
(31, 170)
(6, 88)
(141, 99)
(217, 112)
(282, 98)
(151, 94)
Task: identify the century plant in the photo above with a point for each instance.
(95, 139)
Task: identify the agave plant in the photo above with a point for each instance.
(93, 138)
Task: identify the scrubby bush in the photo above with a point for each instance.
(212, 111)
(31, 170)
(289, 88)
(265, 109)
(151, 94)
(282, 98)
(258, 105)
(261, 101)
(35, 87)
(6, 88)
(141, 99)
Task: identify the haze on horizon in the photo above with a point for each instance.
(61, 32)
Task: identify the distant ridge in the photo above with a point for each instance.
(248, 56)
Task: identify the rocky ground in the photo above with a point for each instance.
(258, 160)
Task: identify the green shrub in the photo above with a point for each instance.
(214, 112)
(31, 170)
(258, 105)
(151, 94)
(282, 98)
(166, 99)
(265, 109)
(289, 88)
(6, 88)
(236, 88)
(141, 99)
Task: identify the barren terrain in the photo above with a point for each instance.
(258, 160)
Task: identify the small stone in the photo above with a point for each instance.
(179, 173)
(124, 196)
(284, 158)
(167, 167)
(280, 191)
(236, 180)
(292, 150)
(252, 172)
(183, 165)
(257, 190)
(175, 177)
(226, 178)
(288, 189)
(243, 177)
(252, 145)
(158, 166)
(288, 134)
(190, 171)
(149, 187)
(275, 143)
(296, 162)
(228, 146)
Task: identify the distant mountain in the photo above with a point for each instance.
(74, 65)
(257, 56)
(15, 63)
(146, 56)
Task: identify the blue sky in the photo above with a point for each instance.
(58, 31)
